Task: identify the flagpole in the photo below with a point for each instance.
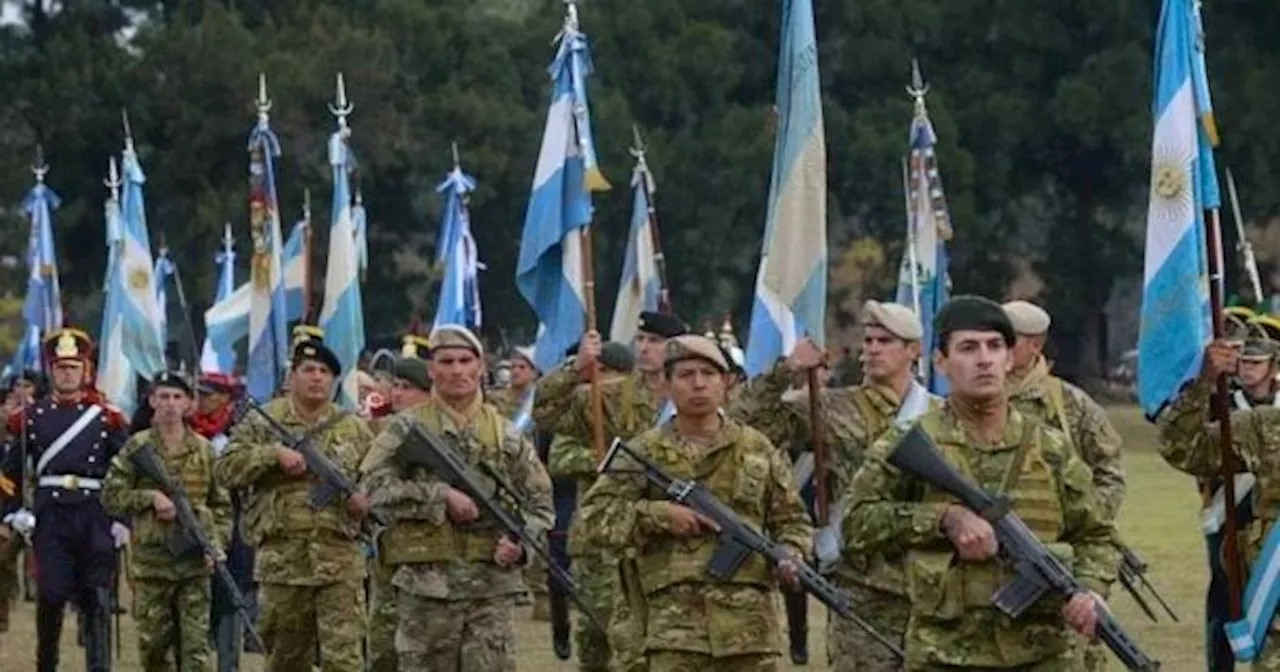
(659, 259)
(589, 289)
(307, 312)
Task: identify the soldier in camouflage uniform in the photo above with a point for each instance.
(310, 565)
(457, 574)
(854, 418)
(171, 594)
(410, 388)
(1039, 394)
(695, 622)
(632, 404)
(947, 551)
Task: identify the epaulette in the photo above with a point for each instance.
(14, 422)
(113, 417)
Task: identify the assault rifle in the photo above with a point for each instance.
(424, 449)
(332, 481)
(1038, 570)
(190, 536)
(1133, 576)
(738, 540)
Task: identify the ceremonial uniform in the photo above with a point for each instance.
(71, 439)
(171, 593)
(309, 563)
(11, 548)
(694, 622)
(456, 604)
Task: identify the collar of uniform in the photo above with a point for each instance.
(1032, 384)
(729, 434)
(185, 445)
(884, 397)
(292, 416)
(460, 417)
(954, 431)
(653, 397)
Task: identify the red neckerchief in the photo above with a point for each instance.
(212, 424)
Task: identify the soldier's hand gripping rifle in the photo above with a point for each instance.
(423, 449)
(190, 535)
(332, 481)
(738, 540)
(1133, 576)
(1038, 570)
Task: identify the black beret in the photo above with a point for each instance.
(316, 351)
(174, 379)
(666, 325)
(413, 370)
(973, 313)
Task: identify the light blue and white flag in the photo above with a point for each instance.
(163, 271)
(360, 220)
(640, 287)
(134, 285)
(116, 378)
(227, 321)
(791, 285)
(459, 301)
(42, 309)
(1175, 324)
(220, 356)
(549, 270)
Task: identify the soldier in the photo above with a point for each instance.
(171, 593)
(1256, 383)
(23, 390)
(410, 388)
(1039, 394)
(309, 563)
(854, 418)
(456, 575)
(632, 404)
(695, 622)
(72, 436)
(948, 552)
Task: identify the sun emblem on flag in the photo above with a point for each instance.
(1170, 180)
(139, 277)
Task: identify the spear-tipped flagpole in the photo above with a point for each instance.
(341, 108)
(308, 313)
(642, 172)
(39, 168)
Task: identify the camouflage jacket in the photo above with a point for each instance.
(436, 558)
(1066, 407)
(507, 403)
(296, 545)
(127, 493)
(742, 469)
(563, 405)
(952, 619)
(1189, 442)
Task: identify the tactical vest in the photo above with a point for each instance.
(486, 441)
(737, 476)
(191, 471)
(942, 586)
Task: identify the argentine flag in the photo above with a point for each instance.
(227, 321)
(456, 248)
(549, 270)
(791, 285)
(116, 379)
(342, 317)
(42, 309)
(1175, 324)
(640, 287)
(139, 313)
(220, 356)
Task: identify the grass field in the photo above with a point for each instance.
(1160, 520)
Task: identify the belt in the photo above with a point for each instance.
(70, 482)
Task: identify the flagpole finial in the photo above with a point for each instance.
(263, 102)
(113, 178)
(457, 163)
(918, 88)
(570, 26)
(227, 239)
(341, 107)
(128, 132)
(39, 168)
(306, 205)
(637, 150)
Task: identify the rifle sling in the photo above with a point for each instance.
(1013, 474)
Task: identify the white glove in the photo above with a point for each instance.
(22, 521)
(119, 534)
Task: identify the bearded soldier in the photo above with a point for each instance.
(457, 575)
(171, 592)
(310, 564)
(948, 551)
(72, 436)
(693, 621)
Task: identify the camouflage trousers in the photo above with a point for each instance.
(683, 661)
(9, 551)
(850, 648)
(173, 616)
(627, 619)
(297, 618)
(597, 576)
(535, 579)
(1068, 661)
(456, 636)
(382, 618)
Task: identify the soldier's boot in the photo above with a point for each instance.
(97, 627)
(48, 635)
(798, 625)
(560, 626)
(227, 642)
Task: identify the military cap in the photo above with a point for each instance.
(414, 370)
(173, 379)
(1235, 324)
(307, 332)
(414, 345)
(1028, 319)
(455, 336)
(314, 349)
(734, 356)
(1267, 326)
(68, 343)
(220, 382)
(895, 318)
(973, 313)
(526, 353)
(1263, 341)
(692, 346)
(666, 325)
(616, 356)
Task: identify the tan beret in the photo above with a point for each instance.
(526, 353)
(1028, 319)
(455, 336)
(897, 319)
(692, 346)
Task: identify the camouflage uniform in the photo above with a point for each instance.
(693, 620)
(171, 594)
(535, 573)
(1061, 405)
(456, 607)
(310, 564)
(563, 407)
(953, 623)
(855, 417)
(1190, 443)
